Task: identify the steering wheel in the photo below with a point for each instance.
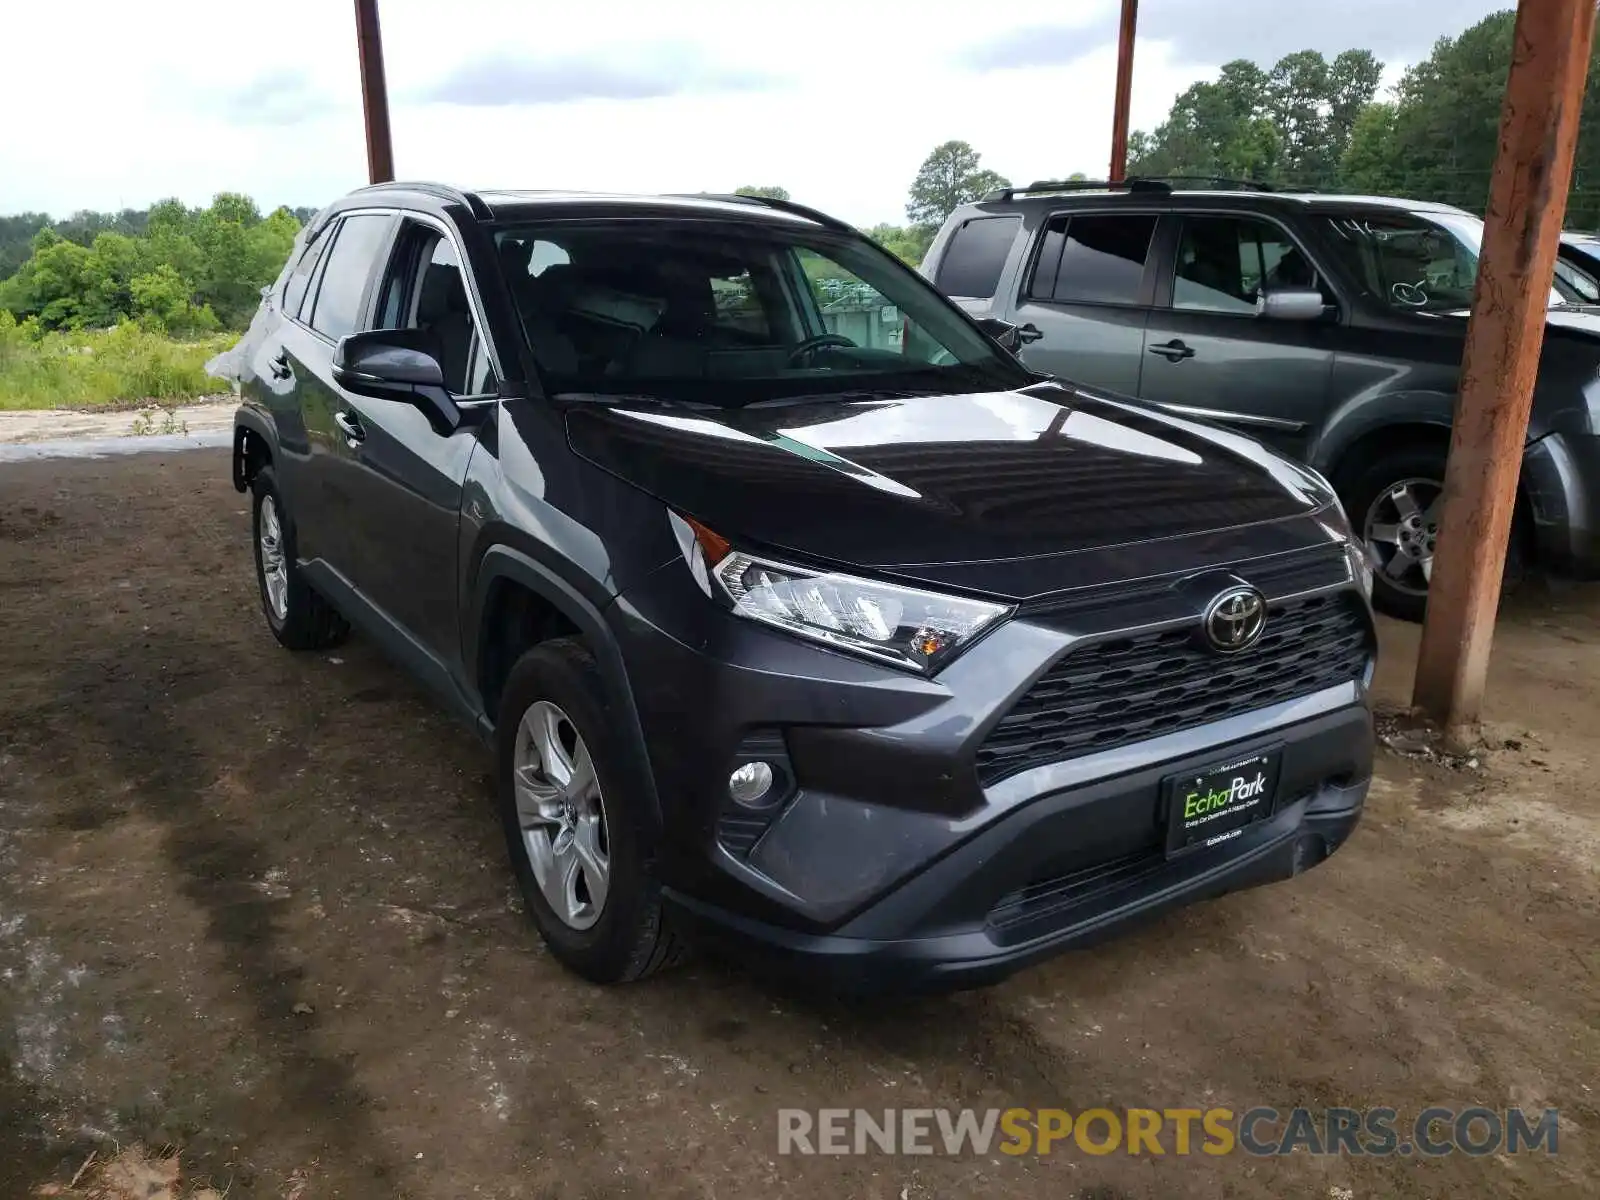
(812, 344)
(1413, 295)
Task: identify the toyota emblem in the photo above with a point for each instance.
(1234, 619)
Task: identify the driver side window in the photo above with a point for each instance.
(425, 289)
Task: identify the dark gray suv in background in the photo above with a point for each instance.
(802, 618)
(1331, 327)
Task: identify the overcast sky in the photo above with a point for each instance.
(118, 104)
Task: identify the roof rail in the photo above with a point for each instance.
(1136, 184)
(469, 200)
(788, 206)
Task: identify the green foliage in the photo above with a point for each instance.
(908, 244)
(949, 177)
(1315, 123)
(770, 193)
(196, 269)
(41, 368)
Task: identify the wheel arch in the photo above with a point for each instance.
(253, 447)
(557, 609)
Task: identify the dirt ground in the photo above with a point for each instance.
(254, 906)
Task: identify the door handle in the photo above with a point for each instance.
(279, 366)
(354, 432)
(1028, 333)
(1173, 350)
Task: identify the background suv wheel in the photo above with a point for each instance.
(298, 617)
(1395, 503)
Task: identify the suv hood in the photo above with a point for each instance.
(1010, 493)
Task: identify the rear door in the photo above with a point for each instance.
(402, 477)
(1085, 297)
(1208, 353)
(335, 304)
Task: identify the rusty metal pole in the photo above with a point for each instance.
(374, 93)
(1124, 97)
(1527, 201)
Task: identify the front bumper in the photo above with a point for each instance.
(1000, 902)
(888, 863)
(1561, 480)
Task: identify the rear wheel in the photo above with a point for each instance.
(298, 617)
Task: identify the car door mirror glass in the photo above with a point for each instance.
(1291, 305)
(396, 364)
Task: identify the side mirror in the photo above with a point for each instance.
(1291, 305)
(1003, 332)
(396, 364)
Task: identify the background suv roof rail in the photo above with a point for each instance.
(1137, 184)
(788, 206)
(469, 200)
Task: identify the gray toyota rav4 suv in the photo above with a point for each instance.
(802, 618)
(1330, 327)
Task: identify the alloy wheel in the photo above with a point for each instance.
(274, 567)
(1401, 529)
(562, 815)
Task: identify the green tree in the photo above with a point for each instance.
(949, 177)
(768, 193)
(1369, 163)
(907, 243)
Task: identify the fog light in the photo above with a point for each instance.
(750, 782)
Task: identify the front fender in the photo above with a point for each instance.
(503, 562)
(1360, 415)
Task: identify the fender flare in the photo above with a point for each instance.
(247, 423)
(506, 562)
(1370, 414)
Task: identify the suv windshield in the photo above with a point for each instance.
(705, 313)
(1419, 261)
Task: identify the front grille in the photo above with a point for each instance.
(1121, 690)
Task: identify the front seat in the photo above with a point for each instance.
(443, 314)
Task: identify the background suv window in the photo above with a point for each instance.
(355, 250)
(971, 263)
(1093, 259)
(1224, 264)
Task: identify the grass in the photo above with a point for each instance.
(114, 368)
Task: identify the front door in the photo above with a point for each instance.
(1208, 353)
(404, 477)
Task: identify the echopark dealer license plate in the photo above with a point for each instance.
(1211, 805)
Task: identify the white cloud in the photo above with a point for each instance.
(838, 100)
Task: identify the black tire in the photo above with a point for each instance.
(308, 622)
(632, 937)
(1362, 485)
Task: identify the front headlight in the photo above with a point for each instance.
(906, 627)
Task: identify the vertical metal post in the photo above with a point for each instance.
(1124, 96)
(1527, 201)
(374, 93)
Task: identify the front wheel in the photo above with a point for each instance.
(576, 829)
(1394, 504)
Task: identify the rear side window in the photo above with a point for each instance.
(300, 278)
(977, 251)
(1093, 259)
(344, 280)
